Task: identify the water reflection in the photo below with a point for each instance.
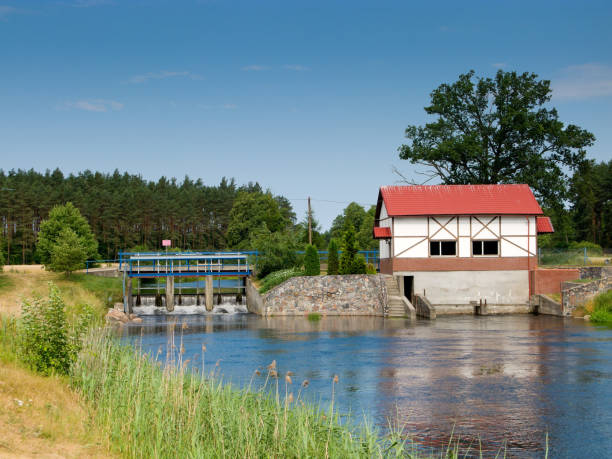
(499, 380)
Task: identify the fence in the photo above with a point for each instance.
(574, 257)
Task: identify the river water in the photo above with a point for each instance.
(504, 381)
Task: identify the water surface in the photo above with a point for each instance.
(503, 380)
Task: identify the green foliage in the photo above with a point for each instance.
(593, 250)
(371, 269)
(350, 261)
(170, 411)
(314, 317)
(312, 264)
(254, 212)
(318, 239)
(591, 196)
(498, 130)
(46, 341)
(332, 258)
(362, 222)
(278, 277)
(276, 250)
(53, 229)
(67, 253)
(1, 259)
(602, 308)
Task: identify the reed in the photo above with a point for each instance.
(152, 408)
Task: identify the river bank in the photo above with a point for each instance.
(120, 402)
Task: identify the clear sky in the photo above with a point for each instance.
(308, 98)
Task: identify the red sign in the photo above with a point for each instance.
(166, 243)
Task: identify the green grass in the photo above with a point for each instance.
(107, 289)
(278, 277)
(583, 281)
(602, 308)
(314, 317)
(150, 409)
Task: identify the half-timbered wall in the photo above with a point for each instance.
(412, 235)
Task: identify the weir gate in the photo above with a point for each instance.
(193, 273)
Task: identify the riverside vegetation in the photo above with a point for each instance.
(124, 402)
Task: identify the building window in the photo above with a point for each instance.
(481, 248)
(442, 248)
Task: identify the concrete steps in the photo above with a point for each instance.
(395, 302)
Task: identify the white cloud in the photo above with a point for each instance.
(499, 65)
(296, 68)
(137, 79)
(95, 105)
(254, 68)
(583, 82)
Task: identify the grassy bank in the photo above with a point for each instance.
(602, 309)
(41, 415)
(153, 410)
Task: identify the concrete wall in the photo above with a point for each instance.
(254, 300)
(462, 287)
(549, 280)
(550, 307)
(423, 307)
(359, 294)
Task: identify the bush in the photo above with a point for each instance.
(371, 269)
(277, 251)
(46, 342)
(602, 308)
(278, 277)
(332, 257)
(593, 250)
(350, 261)
(312, 264)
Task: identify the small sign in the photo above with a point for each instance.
(166, 243)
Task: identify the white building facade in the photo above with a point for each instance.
(460, 244)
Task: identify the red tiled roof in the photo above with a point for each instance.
(544, 225)
(459, 200)
(382, 232)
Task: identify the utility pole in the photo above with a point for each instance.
(309, 223)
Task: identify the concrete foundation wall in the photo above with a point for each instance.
(455, 288)
(254, 300)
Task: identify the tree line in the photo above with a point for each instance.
(126, 211)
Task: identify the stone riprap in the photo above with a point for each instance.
(359, 294)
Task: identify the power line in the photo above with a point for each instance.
(328, 200)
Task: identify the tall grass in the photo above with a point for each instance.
(602, 308)
(154, 409)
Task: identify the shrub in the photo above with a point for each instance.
(371, 269)
(314, 317)
(332, 257)
(278, 277)
(277, 251)
(46, 342)
(602, 308)
(592, 248)
(350, 263)
(312, 264)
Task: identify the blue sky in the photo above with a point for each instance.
(308, 98)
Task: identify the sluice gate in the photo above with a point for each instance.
(209, 266)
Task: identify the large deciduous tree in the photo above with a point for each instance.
(498, 130)
(60, 219)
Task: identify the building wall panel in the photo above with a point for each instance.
(462, 287)
(411, 247)
(410, 226)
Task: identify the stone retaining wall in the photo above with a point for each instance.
(577, 294)
(359, 294)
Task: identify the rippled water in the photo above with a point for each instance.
(506, 380)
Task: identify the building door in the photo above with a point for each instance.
(409, 288)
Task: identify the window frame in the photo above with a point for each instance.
(482, 241)
(439, 242)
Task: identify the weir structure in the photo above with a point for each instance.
(181, 265)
